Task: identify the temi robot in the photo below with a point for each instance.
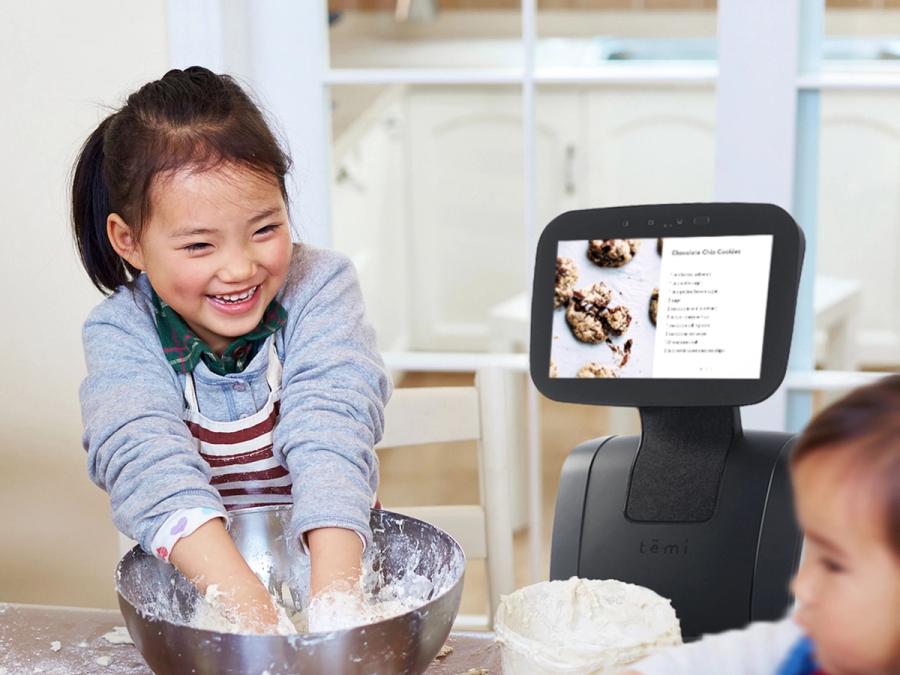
(684, 311)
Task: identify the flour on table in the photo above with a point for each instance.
(118, 636)
(446, 651)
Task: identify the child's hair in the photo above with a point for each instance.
(865, 423)
(190, 119)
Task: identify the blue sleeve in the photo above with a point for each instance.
(138, 447)
(334, 388)
(799, 660)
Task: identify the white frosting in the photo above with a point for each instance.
(208, 616)
(582, 626)
(339, 610)
(336, 608)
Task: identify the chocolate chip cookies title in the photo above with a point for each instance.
(706, 251)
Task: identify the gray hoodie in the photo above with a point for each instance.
(334, 388)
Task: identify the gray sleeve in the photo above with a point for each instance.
(758, 649)
(334, 388)
(138, 447)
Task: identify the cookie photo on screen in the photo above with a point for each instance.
(612, 252)
(566, 276)
(604, 331)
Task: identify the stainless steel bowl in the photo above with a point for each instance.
(157, 603)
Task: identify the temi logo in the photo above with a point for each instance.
(655, 547)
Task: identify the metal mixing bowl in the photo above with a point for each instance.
(157, 603)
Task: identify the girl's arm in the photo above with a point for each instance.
(209, 557)
(335, 556)
(141, 452)
(334, 387)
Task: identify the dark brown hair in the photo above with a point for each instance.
(866, 422)
(190, 119)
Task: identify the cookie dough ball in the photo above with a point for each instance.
(585, 327)
(594, 298)
(612, 252)
(585, 310)
(566, 276)
(617, 319)
(654, 303)
(594, 369)
(554, 372)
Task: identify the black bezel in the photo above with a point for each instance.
(671, 220)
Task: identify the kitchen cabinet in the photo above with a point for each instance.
(594, 147)
(431, 203)
(368, 197)
(859, 212)
(648, 146)
(466, 189)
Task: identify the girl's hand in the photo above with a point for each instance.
(337, 600)
(335, 556)
(209, 558)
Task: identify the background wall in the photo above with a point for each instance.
(60, 64)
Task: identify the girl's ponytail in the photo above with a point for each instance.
(90, 210)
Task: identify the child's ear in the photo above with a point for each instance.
(123, 241)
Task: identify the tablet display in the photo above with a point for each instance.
(668, 307)
(665, 304)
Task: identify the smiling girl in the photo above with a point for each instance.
(229, 367)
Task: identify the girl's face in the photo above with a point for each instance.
(848, 585)
(216, 249)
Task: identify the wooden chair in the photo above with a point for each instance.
(419, 415)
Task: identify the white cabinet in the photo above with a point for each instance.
(445, 207)
(650, 146)
(368, 197)
(859, 212)
(466, 221)
(595, 147)
(428, 198)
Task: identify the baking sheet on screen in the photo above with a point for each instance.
(632, 286)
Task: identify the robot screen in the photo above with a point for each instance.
(670, 307)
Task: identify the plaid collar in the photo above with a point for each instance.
(183, 349)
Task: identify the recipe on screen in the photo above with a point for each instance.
(676, 307)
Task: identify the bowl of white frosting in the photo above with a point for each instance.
(582, 626)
